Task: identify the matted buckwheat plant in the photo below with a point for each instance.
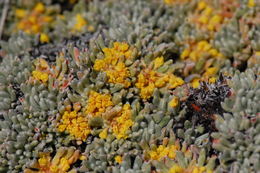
(130, 86)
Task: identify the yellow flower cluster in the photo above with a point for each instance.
(174, 81)
(55, 75)
(257, 53)
(41, 76)
(34, 21)
(97, 103)
(158, 62)
(163, 151)
(41, 72)
(174, 102)
(149, 79)
(195, 83)
(208, 76)
(122, 122)
(251, 3)
(201, 169)
(194, 169)
(113, 63)
(80, 23)
(103, 133)
(61, 162)
(207, 18)
(118, 159)
(146, 82)
(44, 38)
(195, 52)
(176, 169)
(76, 124)
(210, 72)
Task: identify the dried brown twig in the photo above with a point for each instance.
(4, 15)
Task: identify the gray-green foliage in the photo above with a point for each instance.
(26, 129)
(18, 43)
(26, 113)
(149, 25)
(27, 124)
(101, 155)
(255, 36)
(228, 40)
(238, 131)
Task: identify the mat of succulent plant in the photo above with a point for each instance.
(130, 86)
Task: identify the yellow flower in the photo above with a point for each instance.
(176, 169)
(118, 74)
(197, 169)
(148, 80)
(41, 76)
(103, 134)
(80, 23)
(20, 13)
(64, 164)
(158, 62)
(47, 19)
(32, 22)
(174, 102)
(213, 52)
(122, 47)
(40, 8)
(195, 83)
(214, 21)
(147, 92)
(200, 48)
(190, 169)
(163, 151)
(207, 17)
(203, 45)
(41, 73)
(185, 53)
(118, 159)
(161, 81)
(257, 53)
(91, 28)
(54, 168)
(75, 124)
(212, 80)
(210, 71)
(42, 63)
(82, 157)
(168, 1)
(208, 11)
(44, 160)
(202, 5)
(99, 64)
(251, 3)
(203, 19)
(175, 81)
(44, 38)
(97, 103)
(60, 163)
(122, 122)
(32, 19)
(113, 64)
